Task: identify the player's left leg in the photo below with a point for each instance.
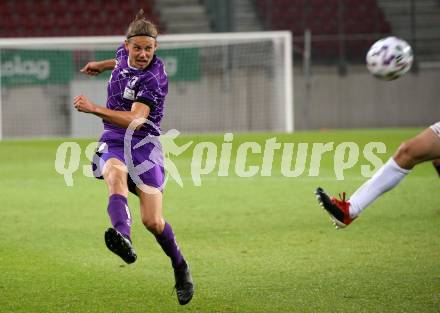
(423, 147)
(151, 214)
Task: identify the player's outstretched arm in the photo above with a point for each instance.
(97, 67)
(120, 118)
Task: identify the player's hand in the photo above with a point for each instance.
(83, 104)
(92, 69)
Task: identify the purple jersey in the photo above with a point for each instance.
(128, 84)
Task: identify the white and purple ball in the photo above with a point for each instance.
(389, 58)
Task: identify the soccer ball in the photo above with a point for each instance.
(389, 58)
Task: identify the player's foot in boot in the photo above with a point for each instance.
(120, 245)
(338, 209)
(184, 284)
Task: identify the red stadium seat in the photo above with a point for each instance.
(322, 18)
(61, 18)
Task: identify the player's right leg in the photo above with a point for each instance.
(423, 147)
(118, 238)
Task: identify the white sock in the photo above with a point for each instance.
(386, 178)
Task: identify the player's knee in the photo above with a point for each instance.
(154, 225)
(404, 149)
(406, 155)
(116, 183)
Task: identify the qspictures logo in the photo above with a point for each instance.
(231, 158)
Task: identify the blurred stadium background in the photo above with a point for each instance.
(257, 244)
(227, 85)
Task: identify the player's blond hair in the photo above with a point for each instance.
(140, 26)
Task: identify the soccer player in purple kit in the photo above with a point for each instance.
(421, 148)
(136, 92)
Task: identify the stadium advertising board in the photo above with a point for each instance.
(31, 67)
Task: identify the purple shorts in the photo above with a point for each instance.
(142, 156)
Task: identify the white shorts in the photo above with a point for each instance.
(436, 128)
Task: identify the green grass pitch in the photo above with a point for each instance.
(257, 244)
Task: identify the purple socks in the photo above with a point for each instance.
(121, 221)
(119, 214)
(169, 246)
